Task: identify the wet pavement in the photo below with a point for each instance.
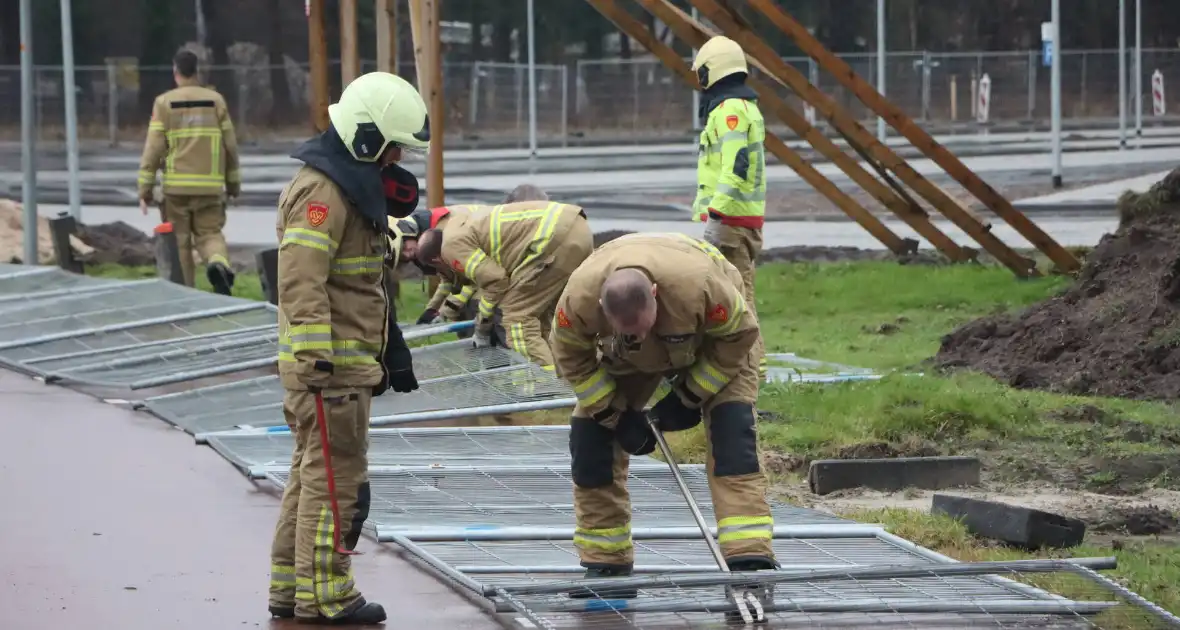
(113, 519)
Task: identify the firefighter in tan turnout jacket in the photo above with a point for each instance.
(339, 344)
(191, 138)
(641, 308)
(518, 256)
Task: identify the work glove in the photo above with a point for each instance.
(428, 316)
(398, 371)
(633, 433)
(672, 414)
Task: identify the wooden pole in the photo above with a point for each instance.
(387, 36)
(350, 60)
(418, 39)
(917, 136)
(317, 54)
(435, 104)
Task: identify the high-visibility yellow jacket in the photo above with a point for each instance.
(191, 138)
(493, 244)
(731, 165)
(703, 329)
(333, 308)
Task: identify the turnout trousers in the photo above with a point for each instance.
(741, 247)
(197, 221)
(306, 570)
(736, 482)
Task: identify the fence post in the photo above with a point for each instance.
(925, 86)
(1032, 85)
(267, 261)
(112, 104)
(61, 228)
(565, 105)
(473, 105)
(168, 255)
(240, 128)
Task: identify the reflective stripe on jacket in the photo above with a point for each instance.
(191, 138)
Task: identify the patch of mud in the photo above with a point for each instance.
(1115, 332)
(1145, 520)
(117, 243)
(886, 450)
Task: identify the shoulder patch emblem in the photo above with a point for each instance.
(718, 315)
(563, 321)
(731, 121)
(317, 213)
(457, 266)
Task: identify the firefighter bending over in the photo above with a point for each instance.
(731, 165)
(339, 344)
(518, 256)
(643, 307)
(191, 137)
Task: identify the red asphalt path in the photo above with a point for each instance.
(112, 519)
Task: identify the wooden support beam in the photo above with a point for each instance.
(695, 35)
(435, 104)
(917, 136)
(317, 56)
(350, 59)
(856, 134)
(387, 23)
(633, 28)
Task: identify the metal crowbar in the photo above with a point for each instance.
(321, 420)
(744, 599)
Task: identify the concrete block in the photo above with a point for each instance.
(929, 473)
(1011, 524)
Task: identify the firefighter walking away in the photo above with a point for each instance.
(641, 308)
(339, 344)
(191, 138)
(731, 163)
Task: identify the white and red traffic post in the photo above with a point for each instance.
(983, 99)
(1159, 105)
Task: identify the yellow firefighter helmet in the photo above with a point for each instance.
(378, 109)
(718, 58)
(399, 231)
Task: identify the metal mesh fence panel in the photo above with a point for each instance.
(474, 446)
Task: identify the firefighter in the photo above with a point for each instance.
(451, 301)
(731, 163)
(191, 137)
(644, 307)
(518, 256)
(339, 344)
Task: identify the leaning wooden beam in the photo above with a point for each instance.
(350, 60)
(631, 27)
(435, 104)
(386, 11)
(695, 35)
(317, 57)
(856, 134)
(915, 134)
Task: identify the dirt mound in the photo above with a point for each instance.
(1148, 520)
(12, 236)
(1114, 332)
(117, 243)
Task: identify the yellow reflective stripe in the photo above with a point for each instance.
(571, 338)
(323, 566)
(500, 216)
(735, 319)
(218, 258)
(486, 309)
(445, 287)
(147, 177)
(544, 234)
(309, 238)
(155, 125)
(549, 368)
(516, 338)
(309, 329)
(735, 528)
(282, 575)
(357, 265)
(704, 246)
(594, 389)
(707, 377)
(194, 132)
(466, 292)
(605, 539)
(473, 262)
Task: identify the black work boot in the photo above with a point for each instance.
(282, 612)
(361, 613)
(221, 278)
(764, 593)
(596, 571)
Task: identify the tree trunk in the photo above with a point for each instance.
(282, 109)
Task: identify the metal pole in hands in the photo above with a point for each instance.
(1122, 74)
(743, 600)
(1055, 93)
(71, 96)
(532, 82)
(881, 131)
(28, 133)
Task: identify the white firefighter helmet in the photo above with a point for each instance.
(377, 109)
(718, 58)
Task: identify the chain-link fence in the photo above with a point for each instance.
(631, 99)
